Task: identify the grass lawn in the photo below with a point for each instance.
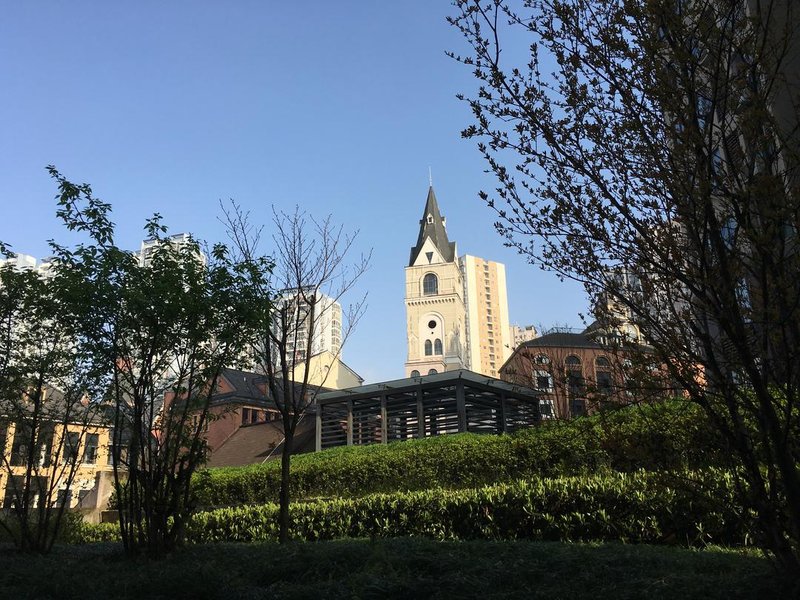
(392, 568)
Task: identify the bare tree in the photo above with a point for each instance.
(661, 138)
(312, 273)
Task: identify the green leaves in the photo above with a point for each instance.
(637, 507)
(653, 437)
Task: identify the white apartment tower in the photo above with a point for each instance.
(326, 321)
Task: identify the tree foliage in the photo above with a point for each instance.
(48, 403)
(660, 139)
(159, 328)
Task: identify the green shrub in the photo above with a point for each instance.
(635, 507)
(78, 531)
(663, 436)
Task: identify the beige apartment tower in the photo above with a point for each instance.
(456, 308)
(488, 331)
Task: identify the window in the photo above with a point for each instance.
(574, 375)
(432, 372)
(46, 433)
(543, 381)
(704, 111)
(431, 324)
(64, 498)
(541, 359)
(603, 375)
(14, 488)
(546, 408)
(428, 348)
(245, 416)
(437, 347)
(71, 442)
(578, 407)
(604, 382)
(90, 448)
(414, 373)
(430, 285)
(19, 448)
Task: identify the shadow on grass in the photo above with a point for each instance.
(392, 568)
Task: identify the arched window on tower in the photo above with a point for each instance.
(428, 348)
(414, 373)
(430, 285)
(437, 346)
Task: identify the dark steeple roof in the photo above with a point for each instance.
(433, 228)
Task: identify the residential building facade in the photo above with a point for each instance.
(488, 330)
(294, 311)
(576, 373)
(60, 445)
(519, 335)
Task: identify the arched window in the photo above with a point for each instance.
(414, 373)
(428, 348)
(437, 346)
(602, 374)
(430, 285)
(432, 372)
(575, 384)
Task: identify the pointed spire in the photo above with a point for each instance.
(432, 225)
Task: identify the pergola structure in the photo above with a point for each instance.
(417, 407)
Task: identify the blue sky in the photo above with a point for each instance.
(339, 107)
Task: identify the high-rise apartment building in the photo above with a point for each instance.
(456, 307)
(520, 335)
(295, 310)
(177, 240)
(488, 333)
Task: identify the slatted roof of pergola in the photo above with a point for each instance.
(449, 402)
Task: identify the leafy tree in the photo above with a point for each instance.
(160, 328)
(47, 404)
(660, 138)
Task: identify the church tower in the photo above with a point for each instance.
(435, 310)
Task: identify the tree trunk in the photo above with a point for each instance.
(283, 515)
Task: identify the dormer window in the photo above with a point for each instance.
(430, 219)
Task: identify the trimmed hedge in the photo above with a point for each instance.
(636, 507)
(662, 436)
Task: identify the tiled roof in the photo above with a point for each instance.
(562, 340)
(434, 230)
